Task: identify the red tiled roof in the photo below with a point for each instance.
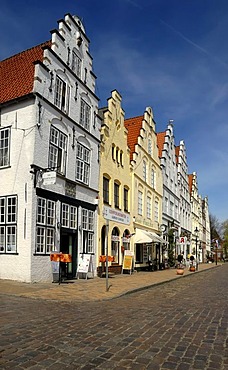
(190, 180)
(133, 125)
(160, 142)
(177, 150)
(17, 73)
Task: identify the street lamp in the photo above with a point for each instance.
(196, 232)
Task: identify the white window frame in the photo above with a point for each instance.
(45, 226)
(8, 224)
(140, 203)
(69, 216)
(85, 115)
(148, 207)
(62, 94)
(150, 146)
(88, 230)
(156, 210)
(76, 65)
(153, 178)
(4, 147)
(83, 164)
(57, 150)
(144, 170)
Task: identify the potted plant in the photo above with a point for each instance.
(191, 266)
(180, 266)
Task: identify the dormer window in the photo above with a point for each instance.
(62, 92)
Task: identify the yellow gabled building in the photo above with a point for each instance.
(115, 225)
(147, 190)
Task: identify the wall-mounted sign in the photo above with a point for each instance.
(49, 178)
(115, 215)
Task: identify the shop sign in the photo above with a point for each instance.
(49, 178)
(115, 238)
(115, 215)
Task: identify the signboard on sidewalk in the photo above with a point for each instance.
(85, 264)
(128, 260)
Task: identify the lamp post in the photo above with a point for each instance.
(196, 232)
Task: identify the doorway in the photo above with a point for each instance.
(68, 246)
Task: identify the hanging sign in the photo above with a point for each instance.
(49, 178)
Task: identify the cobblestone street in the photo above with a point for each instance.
(181, 325)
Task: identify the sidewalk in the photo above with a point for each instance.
(95, 289)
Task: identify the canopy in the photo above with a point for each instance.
(143, 236)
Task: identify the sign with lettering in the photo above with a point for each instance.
(115, 215)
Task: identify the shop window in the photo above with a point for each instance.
(45, 226)
(87, 231)
(8, 224)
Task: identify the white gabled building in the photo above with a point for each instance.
(49, 155)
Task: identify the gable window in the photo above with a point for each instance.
(57, 150)
(4, 147)
(83, 164)
(106, 190)
(76, 64)
(140, 202)
(116, 195)
(45, 226)
(87, 231)
(125, 199)
(62, 92)
(85, 115)
(8, 224)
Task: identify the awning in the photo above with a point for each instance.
(143, 236)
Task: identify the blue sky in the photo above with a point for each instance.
(167, 54)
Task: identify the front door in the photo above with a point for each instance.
(68, 245)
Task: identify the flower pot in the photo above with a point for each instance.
(180, 271)
(192, 268)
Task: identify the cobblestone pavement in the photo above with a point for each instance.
(179, 325)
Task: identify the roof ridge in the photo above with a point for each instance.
(26, 50)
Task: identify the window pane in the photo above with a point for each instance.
(65, 215)
(11, 239)
(41, 204)
(116, 195)
(106, 189)
(91, 221)
(2, 210)
(2, 239)
(85, 219)
(73, 217)
(40, 240)
(11, 209)
(50, 240)
(50, 213)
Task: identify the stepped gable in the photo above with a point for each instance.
(17, 73)
(133, 126)
(160, 142)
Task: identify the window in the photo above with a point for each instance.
(116, 195)
(140, 197)
(4, 147)
(121, 158)
(144, 171)
(105, 190)
(156, 211)
(85, 115)
(62, 93)
(45, 226)
(153, 178)
(113, 152)
(148, 207)
(150, 146)
(125, 199)
(69, 216)
(83, 164)
(76, 64)
(57, 150)
(88, 231)
(8, 224)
